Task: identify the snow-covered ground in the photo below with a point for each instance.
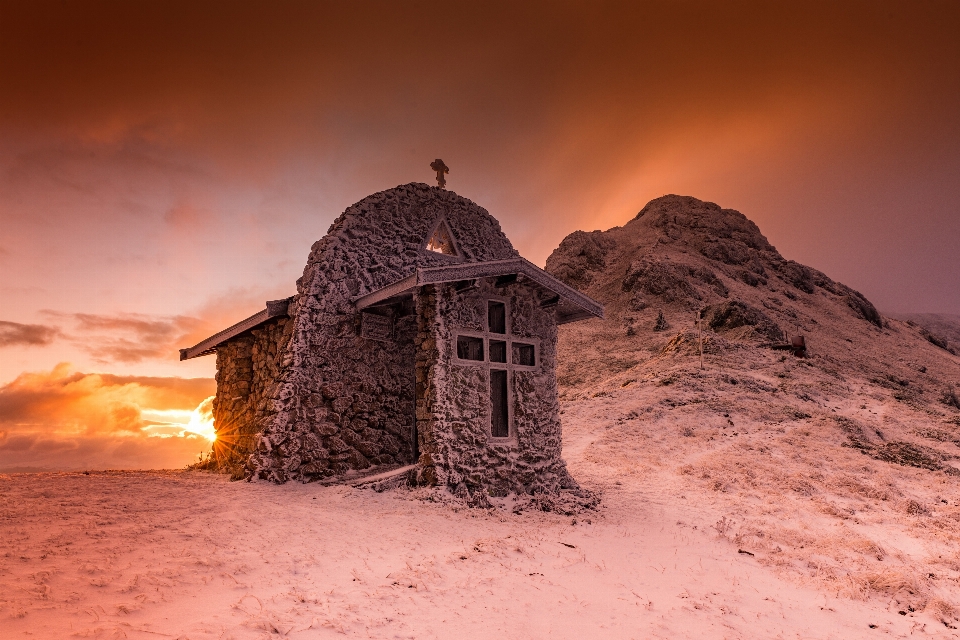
(734, 505)
(667, 555)
(761, 496)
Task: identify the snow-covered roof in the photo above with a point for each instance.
(274, 309)
(393, 241)
(571, 305)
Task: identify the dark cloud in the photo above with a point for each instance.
(34, 443)
(34, 453)
(16, 443)
(16, 334)
(136, 337)
(130, 337)
(145, 328)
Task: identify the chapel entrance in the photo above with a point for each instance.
(393, 327)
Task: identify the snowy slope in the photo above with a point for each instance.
(840, 469)
(942, 329)
(762, 496)
(141, 555)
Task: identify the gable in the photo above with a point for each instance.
(441, 240)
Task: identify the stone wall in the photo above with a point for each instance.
(247, 368)
(354, 408)
(454, 406)
(426, 401)
(344, 402)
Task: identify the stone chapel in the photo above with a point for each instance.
(418, 339)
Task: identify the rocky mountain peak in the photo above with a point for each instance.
(680, 254)
(680, 258)
(690, 386)
(721, 234)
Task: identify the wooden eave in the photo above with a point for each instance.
(571, 306)
(274, 309)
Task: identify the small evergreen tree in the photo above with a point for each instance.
(661, 323)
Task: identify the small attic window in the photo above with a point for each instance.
(441, 240)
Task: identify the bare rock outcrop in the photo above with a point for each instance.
(680, 256)
(584, 254)
(688, 254)
(738, 315)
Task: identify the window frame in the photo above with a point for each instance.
(509, 366)
(456, 350)
(533, 342)
(456, 256)
(506, 316)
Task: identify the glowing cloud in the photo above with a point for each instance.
(64, 419)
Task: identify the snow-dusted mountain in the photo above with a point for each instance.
(680, 255)
(942, 329)
(762, 496)
(842, 467)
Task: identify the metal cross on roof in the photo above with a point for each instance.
(438, 166)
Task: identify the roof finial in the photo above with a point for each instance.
(438, 166)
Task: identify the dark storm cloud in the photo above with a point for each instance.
(16, 334)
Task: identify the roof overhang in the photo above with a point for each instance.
(571, 305)
(275, 309)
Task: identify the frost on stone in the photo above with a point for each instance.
(335, 399)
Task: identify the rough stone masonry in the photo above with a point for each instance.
(417, 336)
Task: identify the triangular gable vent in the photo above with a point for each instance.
(441, 240)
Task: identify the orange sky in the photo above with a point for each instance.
(164, 167)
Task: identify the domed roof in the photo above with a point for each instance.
(387, 235)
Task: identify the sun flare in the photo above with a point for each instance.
(201, 420)
(179, 423)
